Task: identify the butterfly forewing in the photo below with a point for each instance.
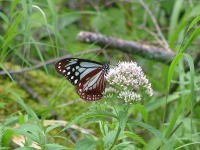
(75, 69)
(88, 76)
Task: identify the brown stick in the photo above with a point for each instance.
(150, 52)
(48, 62)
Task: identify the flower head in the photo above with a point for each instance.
(128, 82)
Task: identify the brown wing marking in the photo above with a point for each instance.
(90, 91)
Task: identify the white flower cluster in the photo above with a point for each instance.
(128, 82)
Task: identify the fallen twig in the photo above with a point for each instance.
(150, 52)
(48, 62)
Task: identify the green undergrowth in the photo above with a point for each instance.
(56, 91)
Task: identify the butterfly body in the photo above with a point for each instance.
(87, 76)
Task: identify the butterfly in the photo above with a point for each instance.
(87, 76)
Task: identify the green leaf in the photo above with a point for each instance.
(54, 147)
(161, 101)
(7, 137)
(24, 106)
(4, 17)
(50, 128)
(14, 5)
(123, 117)
(140, 108)
(103, 128)
(109, 138)
(194, 34)
(149, 128)
(86, 144)
(90, 115)
(135, 137)
(26, 148)
(174, 118)
(120, 146)
(174, 17)
(2, 104)
(9, 36)
(192, 76)
(32, 132)
(172, 68)
(195, 21)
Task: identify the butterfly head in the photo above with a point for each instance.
(106, 68)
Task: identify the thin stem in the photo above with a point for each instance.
(47, 62)
(155, 24)
(116, 137)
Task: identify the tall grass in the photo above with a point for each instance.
(36, 31)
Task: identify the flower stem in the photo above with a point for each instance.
(116, 137)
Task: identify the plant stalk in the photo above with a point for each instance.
(116, 137)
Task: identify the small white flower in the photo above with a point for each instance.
(129, 96)
(128, 82)
(109, 92)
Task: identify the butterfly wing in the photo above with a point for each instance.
(88, 76)
(75, 69)
(91, 87)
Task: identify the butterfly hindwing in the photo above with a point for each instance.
(92, 86)
(88, 76)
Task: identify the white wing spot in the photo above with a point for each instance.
(76, 73)
(59, 63)
(73, 69)
(75, 81)
(80, 90)
(68, 73)
(77, 67)
(79, 84)
(64, 71)
(60, 70)
(72, 77)
(59, 67)
(68, 68)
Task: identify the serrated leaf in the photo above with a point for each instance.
(86, 144)
(135, 137)
(109, 138)
(89, 115)
(192, 76)
(140, 108)
(120, 146)
(26, 148)
(123, 117)
(50, 128)
(54, 147)
(33, 132)
(149, 128)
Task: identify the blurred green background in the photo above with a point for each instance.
(35, 32)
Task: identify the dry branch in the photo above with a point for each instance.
(150, 52)
(48, 62)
